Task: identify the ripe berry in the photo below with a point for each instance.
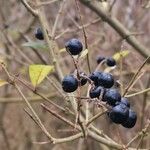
(100, 59)
(83, 81)
(125, 101)
(110, 62)
(95, 93)
(95, 77)
(104, 91)
(112, 96)
(69, 83)
(39, 34)
(131, 121)
(74, 46)
(119, 114)
(106, 80)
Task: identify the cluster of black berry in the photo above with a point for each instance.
(109, 61)
(101, 88)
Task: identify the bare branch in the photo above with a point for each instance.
(135, 75)
(31, 10)
(114, 23)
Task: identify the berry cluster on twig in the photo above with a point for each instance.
(102, 90)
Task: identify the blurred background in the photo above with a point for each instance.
(17, 25)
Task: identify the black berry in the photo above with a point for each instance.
(106, 80)
(112, 96)
(110, 62)
(39, 34)
(95, 77)
(74, 46)
(100, 59)
(83, 81)
(95, 92)
(125, 101)
(131, 121)
(119, 114)
(69, 83)
(104, 91)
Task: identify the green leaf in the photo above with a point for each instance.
(36, 45)
(38, 73)
(3, 82)
(84, 53)
(120, 55)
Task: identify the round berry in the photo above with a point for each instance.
(110, 62)
(131, 121)
(69, 83)
(39, 34)
(74, 46)
(95, 77)
(125, 101)
(95, 92)
(100, 59)
(83, 81)
(119, 114)
(106, 80)
(104, 91)
(112, 96)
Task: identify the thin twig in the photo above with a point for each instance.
(68, 139)
(30, 99)
(143, 132)
(145, 98)
(135, 75)
(47, 2)
(31, 116)
(60, 117)
(95, 117)
(55, 86)
(135, 81)
(57, 19)
(29, 8)
(85, 36)
(78, 28)
(104, 141)
(138, 93)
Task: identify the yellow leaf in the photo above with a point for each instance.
(38, 73)
(84, 53)
(3, 82)
(121, 54)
